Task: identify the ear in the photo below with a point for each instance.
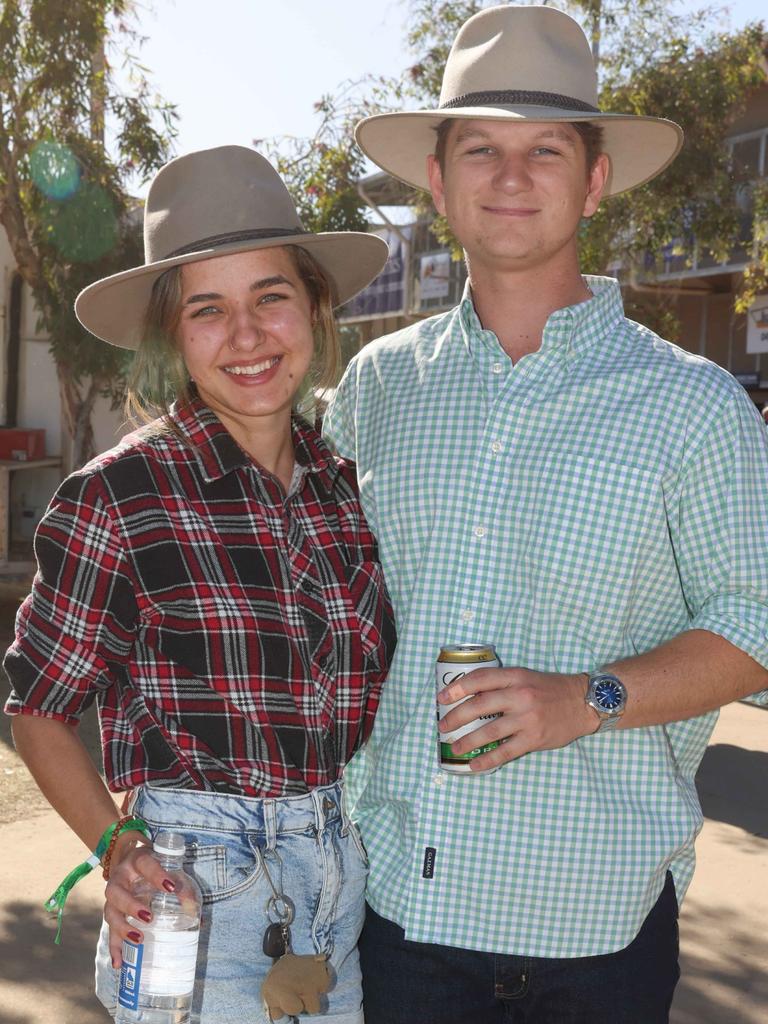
(435, 176)
(596, 182)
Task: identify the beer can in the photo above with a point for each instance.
(455, 661)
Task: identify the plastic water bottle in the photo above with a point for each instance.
(158, 974)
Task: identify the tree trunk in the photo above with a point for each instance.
(597, 14)
(77, 402)
(98, 91)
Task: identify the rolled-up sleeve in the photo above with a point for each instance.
(78, 624)
(720, 531)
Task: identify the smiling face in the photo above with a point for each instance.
(514, 193)
(245, 335)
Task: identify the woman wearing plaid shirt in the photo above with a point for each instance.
(212, 584)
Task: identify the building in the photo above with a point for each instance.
(700, 290)
(30, 401)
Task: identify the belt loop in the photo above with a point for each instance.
(317, 802)
(270, 824)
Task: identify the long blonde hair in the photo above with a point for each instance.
(159, 376)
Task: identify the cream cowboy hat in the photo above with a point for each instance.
(212, 203)
(526, 64)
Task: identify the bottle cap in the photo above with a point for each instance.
(169, 843)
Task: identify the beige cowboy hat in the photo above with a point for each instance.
(212, 203)
(521, 63)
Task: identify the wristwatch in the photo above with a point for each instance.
(608, 696)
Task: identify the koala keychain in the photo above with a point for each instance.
(294, 984)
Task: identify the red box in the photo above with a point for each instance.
(22, 445)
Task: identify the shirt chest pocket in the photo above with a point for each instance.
(593, 524)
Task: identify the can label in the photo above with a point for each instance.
(454, 662)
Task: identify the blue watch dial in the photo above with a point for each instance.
(608, 695)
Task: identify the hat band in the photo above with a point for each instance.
(230, 238)
(519, 96)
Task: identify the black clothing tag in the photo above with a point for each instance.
(428, 871)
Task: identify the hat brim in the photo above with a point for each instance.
(114, 308)
(639, 147)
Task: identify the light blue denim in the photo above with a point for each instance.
(312, 852)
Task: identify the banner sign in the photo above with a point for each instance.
(385, 296)
(757, 326)
(435, 276)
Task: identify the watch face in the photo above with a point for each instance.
(608, 695)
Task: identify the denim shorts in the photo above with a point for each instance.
(313, 854)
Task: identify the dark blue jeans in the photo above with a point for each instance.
(421, 983)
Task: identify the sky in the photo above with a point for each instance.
(240, 70)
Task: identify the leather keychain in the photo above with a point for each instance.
(294, 984)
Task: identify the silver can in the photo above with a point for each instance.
(454, 662)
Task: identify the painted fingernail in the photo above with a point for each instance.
(134, 936)
(168, 885)
(145, 916)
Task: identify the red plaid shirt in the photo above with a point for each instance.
(235, 639)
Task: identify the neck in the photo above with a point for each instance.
(268, 440)
(516, 304)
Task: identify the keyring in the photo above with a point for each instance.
(284, 916)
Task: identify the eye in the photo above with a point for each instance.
(546, 151)
(271, 297)
(479, 150)
(204, 311)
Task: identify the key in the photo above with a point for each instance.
(277, 940)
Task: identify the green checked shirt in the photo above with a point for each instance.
(582, 505)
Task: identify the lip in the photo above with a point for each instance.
(511, 211)
(269, 365)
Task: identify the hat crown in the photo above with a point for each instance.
(520, 48)
(213, 195)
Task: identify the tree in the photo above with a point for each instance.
(681, 68)
(651, 60)
(64, 200)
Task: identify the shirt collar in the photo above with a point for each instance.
(572, 329)
(218, 453)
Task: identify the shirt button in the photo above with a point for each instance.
(480, 531)
(439, 780)
(467, 616)
(497, 367)
(496, 447)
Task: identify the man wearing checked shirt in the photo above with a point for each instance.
(548, 476)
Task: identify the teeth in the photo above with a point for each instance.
(251, 370)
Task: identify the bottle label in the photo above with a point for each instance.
(163, 965)
(130, 975)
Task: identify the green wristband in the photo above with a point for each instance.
(55, 902)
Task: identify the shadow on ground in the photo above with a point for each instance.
(58, 974)
(729, 988)
(733, 787)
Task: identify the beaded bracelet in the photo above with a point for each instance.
(117, 830)
(101, 855)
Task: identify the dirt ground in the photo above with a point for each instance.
(724, 940)
(19, 796)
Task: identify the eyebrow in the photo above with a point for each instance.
(557, 133)
(472, 132)
(264, 282)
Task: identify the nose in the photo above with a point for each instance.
(245, 334)
(512, 173)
